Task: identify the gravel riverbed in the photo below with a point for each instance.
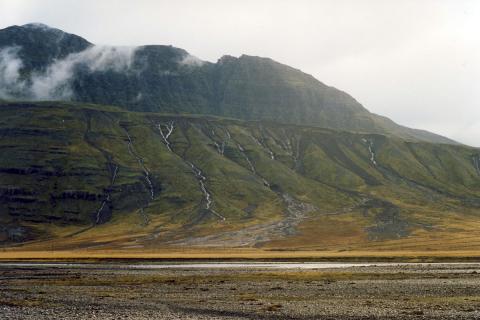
(435, 291)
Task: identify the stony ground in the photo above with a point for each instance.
(438, 291)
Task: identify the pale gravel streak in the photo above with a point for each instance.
(264, 146)
(242, 151)
(197, 172)
(169, 126)
(115, 171)
(139, 159)
(221, 149)
(97, 220)
(252, 167)
(99, 211)
(208, 197)
(370, 149)
(287, 146)
(265, 133)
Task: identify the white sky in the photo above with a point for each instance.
(415, 61)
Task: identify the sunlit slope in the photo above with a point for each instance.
(94, 175)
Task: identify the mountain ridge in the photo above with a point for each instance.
(160, 78)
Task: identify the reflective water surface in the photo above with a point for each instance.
(216, 265)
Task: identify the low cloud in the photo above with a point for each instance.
(55, 82)
(10, 66)
(191, 61)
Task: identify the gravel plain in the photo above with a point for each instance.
(435, 291)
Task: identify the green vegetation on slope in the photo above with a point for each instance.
(80, 171)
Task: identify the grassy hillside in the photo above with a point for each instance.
(93, 176)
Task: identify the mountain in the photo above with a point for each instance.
(150, 147)
(49, 64)
(97, 176)
(39, 45)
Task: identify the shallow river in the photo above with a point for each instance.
(218, 265)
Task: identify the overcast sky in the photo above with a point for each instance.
(417, 61)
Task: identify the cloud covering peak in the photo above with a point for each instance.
(54, 83)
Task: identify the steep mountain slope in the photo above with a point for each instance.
(41, 63)
(91, 175)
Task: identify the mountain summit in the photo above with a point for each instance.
(43, 63)
(38, 46)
